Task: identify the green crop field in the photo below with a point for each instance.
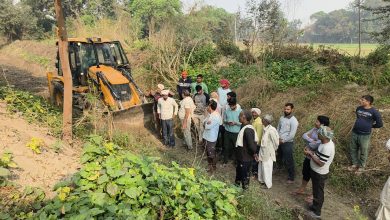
(351, 49)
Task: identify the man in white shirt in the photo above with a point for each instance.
(210, 134)
(167, 108)
(186, 111)
(319, 164)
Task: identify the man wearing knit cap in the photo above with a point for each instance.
(167, 108)
(268, 145)
(383, 211)
(258, 126)
(319, 164)
(184, 84)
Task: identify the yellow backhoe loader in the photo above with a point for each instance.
(100, 66)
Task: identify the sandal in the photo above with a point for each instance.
(352, 168)
(298, 192)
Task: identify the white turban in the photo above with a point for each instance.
(165, 92)
(160, 86)
(268, 118)
(388, 144)
(257, 110)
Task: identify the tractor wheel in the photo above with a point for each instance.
(57, 98)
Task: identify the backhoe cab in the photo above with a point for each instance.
(100, 67)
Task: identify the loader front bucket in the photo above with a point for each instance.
(133, 118)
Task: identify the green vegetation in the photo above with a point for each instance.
(116, 184)
(33, 108)
(6, 163)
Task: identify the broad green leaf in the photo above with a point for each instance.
(112, 189)
(103, 179)
(132, 192)
(4, 172)
(98, 198)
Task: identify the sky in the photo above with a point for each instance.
(293, 9)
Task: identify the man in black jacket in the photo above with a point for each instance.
(245, 149)
(184, 84)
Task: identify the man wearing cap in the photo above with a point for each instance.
(268, 145)
(184, 84)
(199, 81)
(232, 126)
(319, 164)
(258, 126)
(383, 211)
(245, 149)
(186, 112)
(167, 108)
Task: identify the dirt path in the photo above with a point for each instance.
(37, 170)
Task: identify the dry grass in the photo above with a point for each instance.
(336, 101)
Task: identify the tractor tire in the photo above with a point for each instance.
(57, 97)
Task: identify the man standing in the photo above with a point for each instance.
(319, 164)
(258, 126)
(201, 100)
(167, 108)
(383, 211)
(210, 135)
(245, 149)
(268, 145)
(184, 84)
(186, 110)
(199, 81)
(287, 129)
(232, 126)
(222, 93)
(367, 117)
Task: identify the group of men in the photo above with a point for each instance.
(225, 129)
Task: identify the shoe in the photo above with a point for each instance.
(313, 215)
(290, 181)
(359, 171)
(352, 168)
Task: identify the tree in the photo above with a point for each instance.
(153, 12)
(16, 21)
(266, 17)
(382, 14)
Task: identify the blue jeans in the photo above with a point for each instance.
(167, 130)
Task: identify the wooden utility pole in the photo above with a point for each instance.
(67, 75)
(360, 26)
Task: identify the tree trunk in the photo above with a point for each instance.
(67, 76)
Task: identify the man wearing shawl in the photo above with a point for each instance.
(245, 149)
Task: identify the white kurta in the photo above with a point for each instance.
(268, 146)
(383, 212)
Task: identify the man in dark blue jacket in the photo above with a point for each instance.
(184, 84)
(367, 117)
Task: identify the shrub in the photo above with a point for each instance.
(380, 56)
(115, 184)
(204, 54)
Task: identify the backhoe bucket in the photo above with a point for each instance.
(133, 118)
